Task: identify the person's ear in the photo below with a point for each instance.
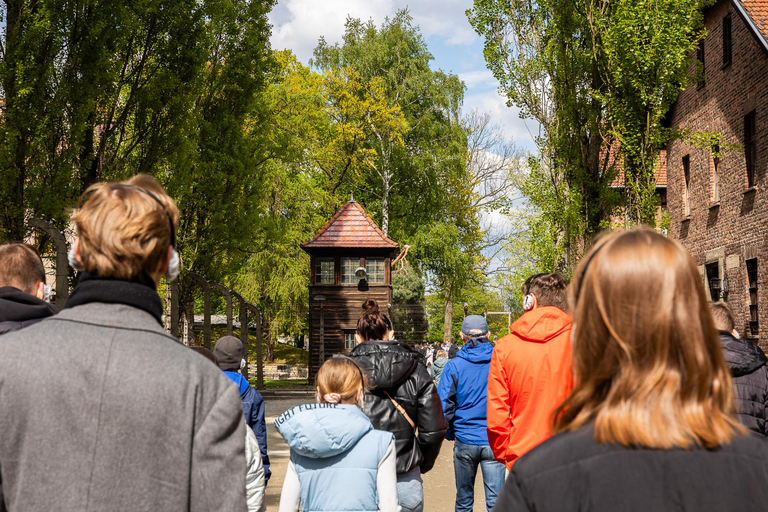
(488, 335)
(163, 267)
(39, 290)
(389, 335)
(77, 252)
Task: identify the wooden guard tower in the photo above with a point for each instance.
(349, 263)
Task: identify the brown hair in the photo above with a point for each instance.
(206, 354)
(441, 353)
(372, 324)
(21, 267)
(341, 375)
(647, 363)
(723, 316)
(125, 228)
(549, 289)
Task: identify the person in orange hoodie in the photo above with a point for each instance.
(530, 372)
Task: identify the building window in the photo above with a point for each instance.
(700, 57)
(715, 163)
(752, 280)
(686, 185)
(324, 269)
(661, 192)
(375, 269)
(750, 146)
(348, 267)
(349, 339)
(727, 40)
(713, 281)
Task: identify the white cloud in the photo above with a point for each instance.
(481, 78)
(298, 24)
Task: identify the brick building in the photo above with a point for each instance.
(719, 206)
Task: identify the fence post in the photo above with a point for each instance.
(206, 308)
(243, 330)
(62, 272)
(259, 357)
(228, 296)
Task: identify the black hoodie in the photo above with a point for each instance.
(19, 309)
(750, 381)
(393, 367)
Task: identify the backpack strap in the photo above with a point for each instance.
(402, 411)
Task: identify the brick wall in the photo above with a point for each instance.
(735, 229)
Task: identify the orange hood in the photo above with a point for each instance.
(541, 324)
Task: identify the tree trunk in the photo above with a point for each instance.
(385, 203)
(189, 314)
(448, 326)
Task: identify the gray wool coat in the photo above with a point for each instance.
(101, 410)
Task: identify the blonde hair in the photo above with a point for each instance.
(648, 367)
(341, 375)
(123, 230)
(441, 353)
(723, 316)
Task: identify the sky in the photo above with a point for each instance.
(298, 24)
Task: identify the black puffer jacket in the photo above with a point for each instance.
(750, 381)
(394, 367)
(19, 309)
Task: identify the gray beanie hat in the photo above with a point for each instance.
(228, 352)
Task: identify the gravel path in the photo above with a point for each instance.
(439, 486)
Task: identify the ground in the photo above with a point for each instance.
(439, 487)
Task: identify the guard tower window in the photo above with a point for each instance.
(348, 267)
(375, 269)
(324, 270)
(349, 339)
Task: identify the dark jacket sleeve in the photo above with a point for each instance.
(430, 420)
(259, 426)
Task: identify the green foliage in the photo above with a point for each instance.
(599, 77)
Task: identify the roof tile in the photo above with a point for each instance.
(351, 227)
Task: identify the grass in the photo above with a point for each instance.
(283, 354)
(281, 383)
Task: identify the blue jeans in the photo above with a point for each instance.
(410, 491)
(466, 458)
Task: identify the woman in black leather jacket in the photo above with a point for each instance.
(400, 398)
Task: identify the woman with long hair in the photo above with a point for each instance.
(400, 398)
(648, 425)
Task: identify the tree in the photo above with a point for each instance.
(91, 90)
(597, 76)
(395, 56)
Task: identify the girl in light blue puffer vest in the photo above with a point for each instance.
(338, 461)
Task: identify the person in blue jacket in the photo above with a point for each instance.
(229, 355)
(463, 391)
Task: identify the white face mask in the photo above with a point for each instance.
(72, 259)
(242, 364)
(174, 265)
(46, 293)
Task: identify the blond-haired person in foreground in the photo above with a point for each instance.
(648, 425)
(100, 409)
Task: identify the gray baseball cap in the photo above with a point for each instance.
(474, 325)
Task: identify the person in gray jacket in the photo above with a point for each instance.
(100, 409)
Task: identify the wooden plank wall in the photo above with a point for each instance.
(341, 309)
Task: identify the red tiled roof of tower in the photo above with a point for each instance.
(351, 227)
(758, 11)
